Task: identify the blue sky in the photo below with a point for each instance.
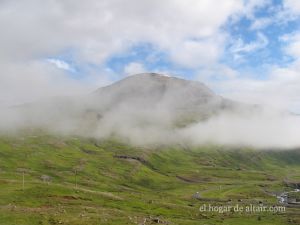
(246, 50)
(263, 30)
(247, 30)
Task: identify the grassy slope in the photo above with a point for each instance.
(127, 191)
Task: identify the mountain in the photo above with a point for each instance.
(153, 91)
(147, 100)
(151, 98)
(150, 90)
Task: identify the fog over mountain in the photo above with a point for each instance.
(152, 109)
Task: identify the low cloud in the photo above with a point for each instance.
(143, 111)
(25, 82)
(265, 130)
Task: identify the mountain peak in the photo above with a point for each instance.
(155, 76)
(150, 82)
(150, 74)
(153, 90)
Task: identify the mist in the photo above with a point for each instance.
(264, 130)
(168, 115)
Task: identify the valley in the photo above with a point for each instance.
(93, 181)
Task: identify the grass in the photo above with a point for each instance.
(110, 190)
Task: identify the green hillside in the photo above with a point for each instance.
(72, 180)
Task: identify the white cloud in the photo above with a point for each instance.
(240, 47)
(278, 14)
(292, 45)
(293, 6)
(219, 72)
(98, 29)
(280, 89)
(21, 82)
(252, 5)
(261, 23)
(61, 64)
(134, 68)
(195, 53)
(33, 80)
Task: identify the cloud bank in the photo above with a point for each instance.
(152, 110)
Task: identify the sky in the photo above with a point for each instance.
(246, 50)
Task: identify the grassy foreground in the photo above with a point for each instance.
(54, 180)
